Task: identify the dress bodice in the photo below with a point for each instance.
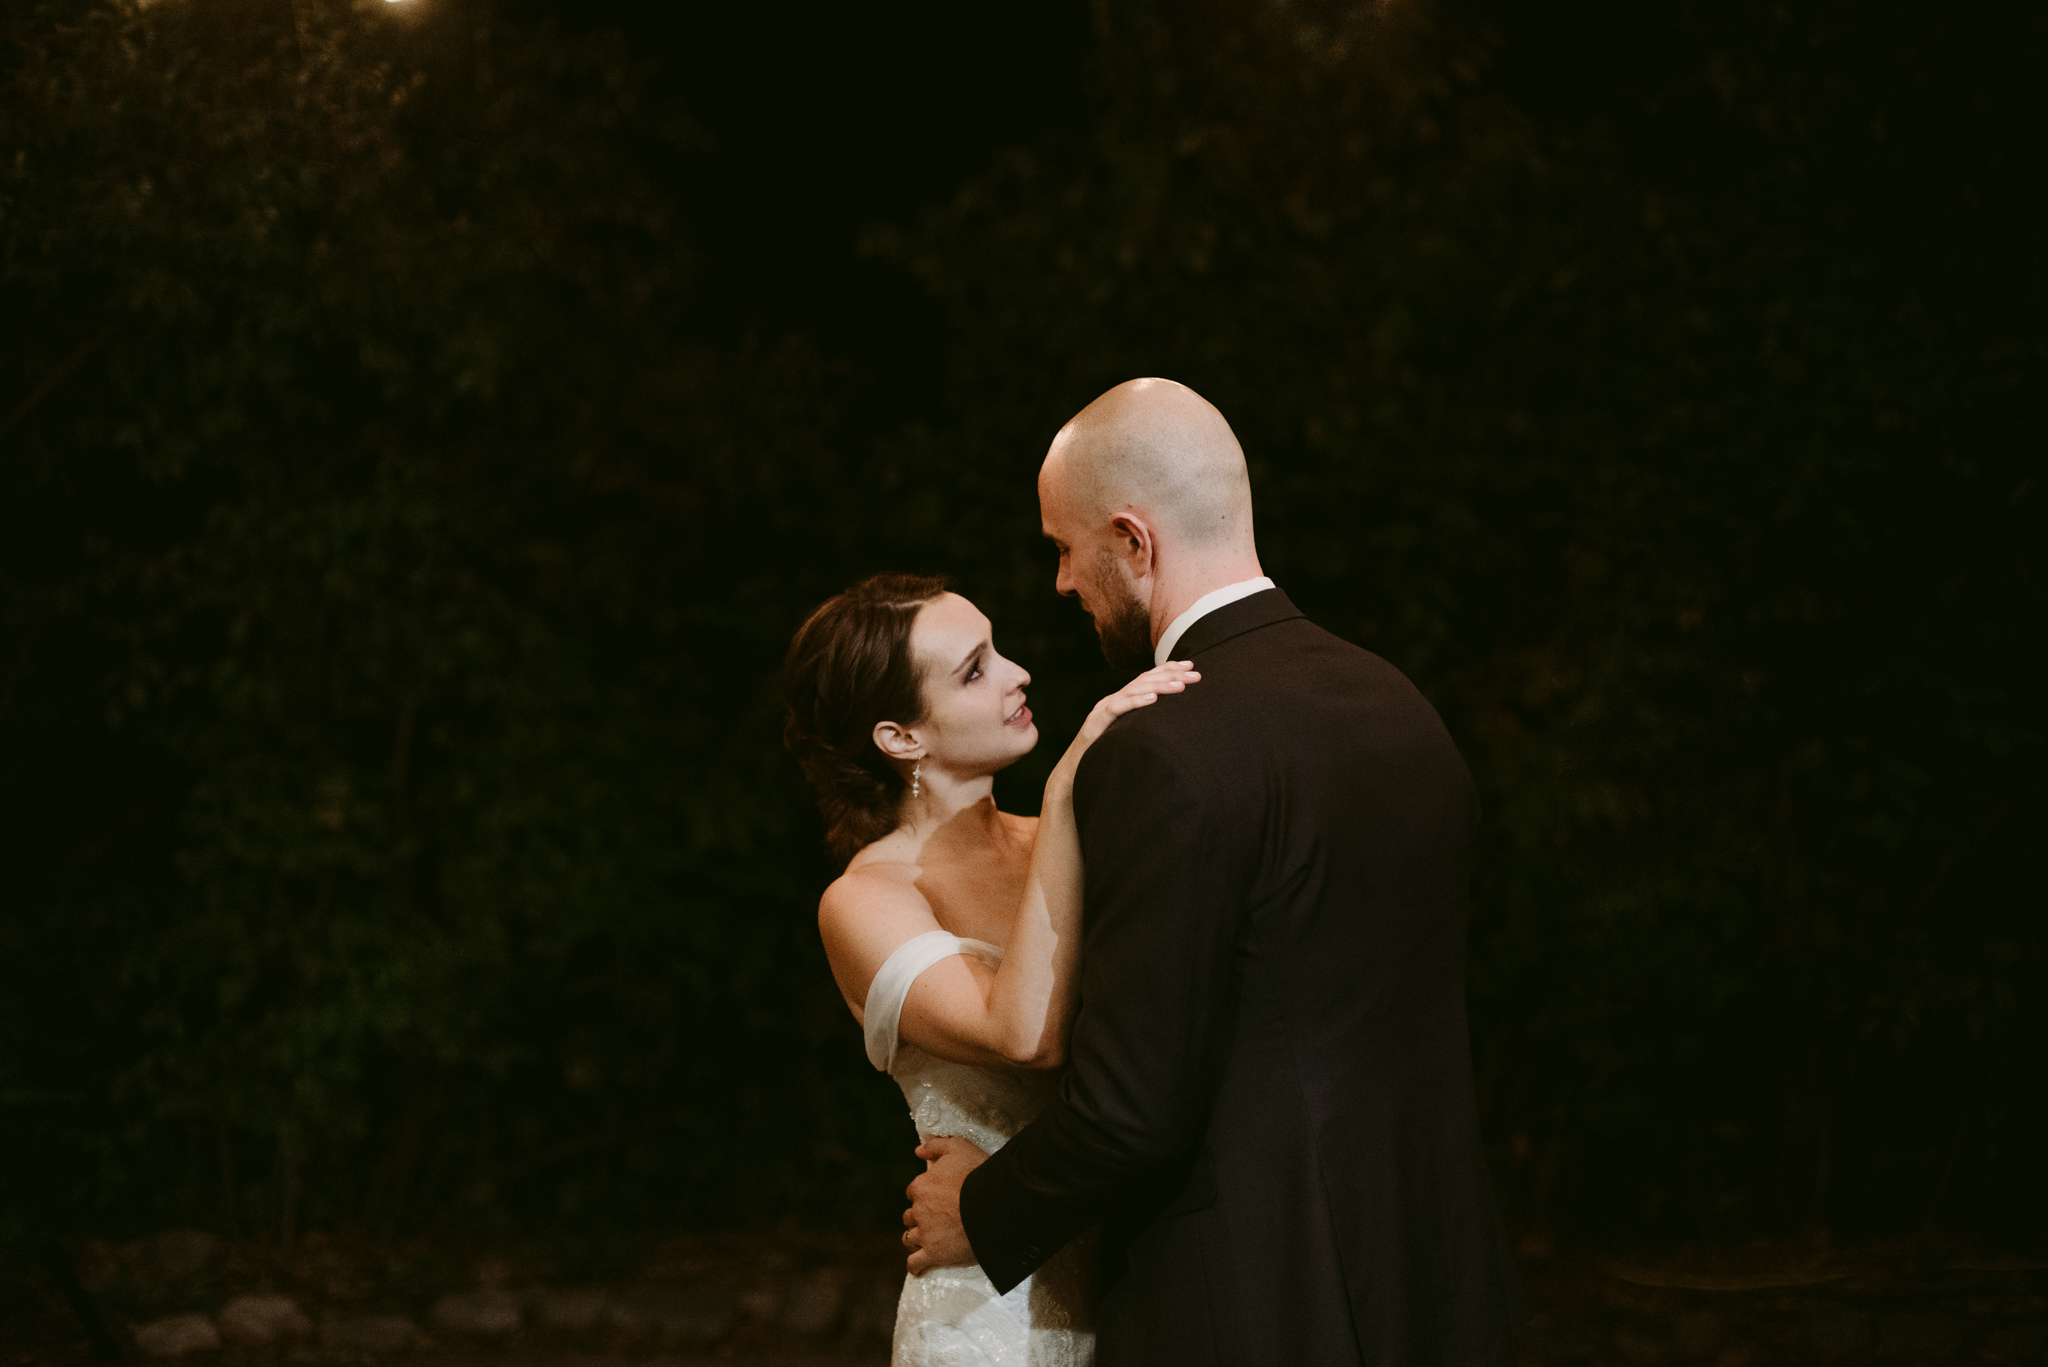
(952, 1316)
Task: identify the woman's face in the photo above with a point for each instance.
(975, 720)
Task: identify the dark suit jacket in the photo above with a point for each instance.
(1270, 1107)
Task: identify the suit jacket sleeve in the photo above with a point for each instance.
(1162, 905)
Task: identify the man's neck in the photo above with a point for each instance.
(1175, 596)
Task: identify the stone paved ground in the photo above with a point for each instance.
(1894, 1305)
(788, 1298)
(809, 1300)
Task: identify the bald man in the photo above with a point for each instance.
(1269, 1111)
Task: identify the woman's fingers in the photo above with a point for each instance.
(1145, 690)
(1142, 691)
(1159, 679)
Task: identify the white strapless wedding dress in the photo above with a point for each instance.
(952, 1316)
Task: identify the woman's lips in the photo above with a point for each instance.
(1021, 717)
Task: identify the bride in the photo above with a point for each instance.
(955, 931)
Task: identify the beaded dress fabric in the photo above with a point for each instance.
(952, 1316)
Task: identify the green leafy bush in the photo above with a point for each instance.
(1702, 494)
(393, 593)
(399, 834)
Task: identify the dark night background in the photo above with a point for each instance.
(422, 426)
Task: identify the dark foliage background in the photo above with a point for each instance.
(421, 430)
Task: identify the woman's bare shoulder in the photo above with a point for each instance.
(865, 914)
(869, 887)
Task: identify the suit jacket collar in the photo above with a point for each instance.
(1262, 609)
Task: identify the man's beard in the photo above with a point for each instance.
(1122, 622)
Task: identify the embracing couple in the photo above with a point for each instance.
(1188, 1051)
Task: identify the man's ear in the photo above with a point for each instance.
(1133, 544)
(897, 742)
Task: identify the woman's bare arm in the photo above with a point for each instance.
(1031, 998)
(960, 1008)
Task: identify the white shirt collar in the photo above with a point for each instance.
(1201, 608)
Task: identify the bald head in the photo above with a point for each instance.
(1159, 449)
(1146, 497)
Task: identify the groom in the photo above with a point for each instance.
(1270, 1108)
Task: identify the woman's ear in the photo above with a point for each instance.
(897, 742)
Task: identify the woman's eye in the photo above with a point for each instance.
(973, 673)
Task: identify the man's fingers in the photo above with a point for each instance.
(918, 1263)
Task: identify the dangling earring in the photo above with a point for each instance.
(916, 780)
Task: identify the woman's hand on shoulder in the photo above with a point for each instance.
(1172, 677)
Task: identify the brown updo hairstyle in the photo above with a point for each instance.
(850, 667)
